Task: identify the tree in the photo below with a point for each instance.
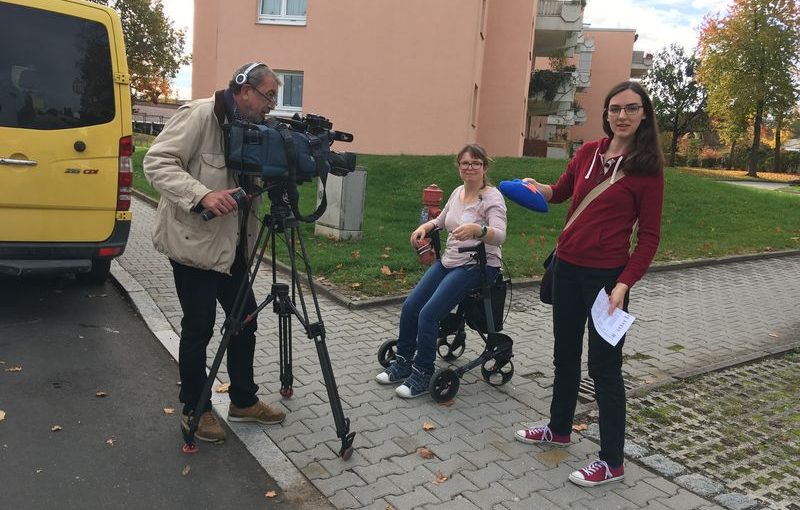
(747, 58)
(154, 46)
(678, 99)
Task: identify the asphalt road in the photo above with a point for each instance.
(115, 452)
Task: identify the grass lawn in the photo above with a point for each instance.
(702, 218)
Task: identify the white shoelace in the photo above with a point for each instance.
(547, 434)
(596, 465)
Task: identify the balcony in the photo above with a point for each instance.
(551, 91)
(640, 64)
(558, 25)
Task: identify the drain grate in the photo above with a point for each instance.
(586, 390)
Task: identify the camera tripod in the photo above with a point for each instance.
(280, 222)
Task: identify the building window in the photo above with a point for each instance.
(290, 95)
(282, 12)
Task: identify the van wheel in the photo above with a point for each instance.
(98, 274)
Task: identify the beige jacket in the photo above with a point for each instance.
(185, 163)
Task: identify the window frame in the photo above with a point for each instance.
(282, 110)
(280, 19)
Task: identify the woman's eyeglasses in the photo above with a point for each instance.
(630, 109)
(470, 164)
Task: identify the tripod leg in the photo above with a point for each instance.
(317, 332)
(281, 293)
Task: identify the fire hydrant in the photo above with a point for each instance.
(431, 208)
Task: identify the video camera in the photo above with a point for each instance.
(268, 150)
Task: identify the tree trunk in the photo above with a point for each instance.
(776, 160)
(752, 164)
(730, 157)
(673, 147)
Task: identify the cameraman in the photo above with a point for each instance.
(186, 164)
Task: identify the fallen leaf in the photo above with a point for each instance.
(223, 388)
(14, 369)
(440, 478)
(774, 335)
(2, 415)
(101, 394)
(55, 428)
(186, 469)
(448, 403)
(339, 266)
(579, 426)
(355, 285)
(385, 270)
(428, 426)
(425, 453)
(648, 381)
(271, 494)
(169, 410)
(356, 254)
(110, 441)
(390, 507)
(385, 256)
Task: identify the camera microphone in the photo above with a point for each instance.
(239, 195)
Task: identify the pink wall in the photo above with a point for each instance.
(506, 75)
(611, 64)
(399, 75)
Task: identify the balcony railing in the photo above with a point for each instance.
(553, 7)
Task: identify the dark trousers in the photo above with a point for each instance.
(574, 291)
(198, 291)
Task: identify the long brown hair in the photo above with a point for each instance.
(646, 157)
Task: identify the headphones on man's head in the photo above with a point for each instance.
(244, 76)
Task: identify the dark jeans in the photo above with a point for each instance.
(574, 290)
(198, 291)
(438, 292)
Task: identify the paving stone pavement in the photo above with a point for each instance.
(688, 321)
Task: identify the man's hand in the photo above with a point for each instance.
(220, 202)
(617, 297)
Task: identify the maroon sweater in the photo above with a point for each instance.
(600, 237)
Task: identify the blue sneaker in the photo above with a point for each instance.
(415, 385)
(396, 372)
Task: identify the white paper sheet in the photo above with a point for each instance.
(610, 327)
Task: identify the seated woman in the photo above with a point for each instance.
(475, 212)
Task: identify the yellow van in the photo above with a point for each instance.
(65, 138)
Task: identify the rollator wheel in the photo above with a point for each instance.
(444, 385)
(387, 353)
(496, 374)
(450, 351)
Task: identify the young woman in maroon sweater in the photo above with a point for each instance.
(594, 253)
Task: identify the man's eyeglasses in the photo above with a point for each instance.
(270, 98)
(630, 109)
(470, 164)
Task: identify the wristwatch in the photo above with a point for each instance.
(484, 229)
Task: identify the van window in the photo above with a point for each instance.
(55, 70)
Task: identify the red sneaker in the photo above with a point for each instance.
(597, 473)
(542, 434)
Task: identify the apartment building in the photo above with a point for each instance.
(410, 77)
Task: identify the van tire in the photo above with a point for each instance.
(98, 274)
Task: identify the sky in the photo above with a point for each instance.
(657, 22)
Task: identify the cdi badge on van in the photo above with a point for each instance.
(65, 138)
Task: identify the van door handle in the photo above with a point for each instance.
(23, 162)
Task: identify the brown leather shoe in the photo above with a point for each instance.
(258, 412)
(209, 428)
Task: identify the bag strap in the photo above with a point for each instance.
(596, 191)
